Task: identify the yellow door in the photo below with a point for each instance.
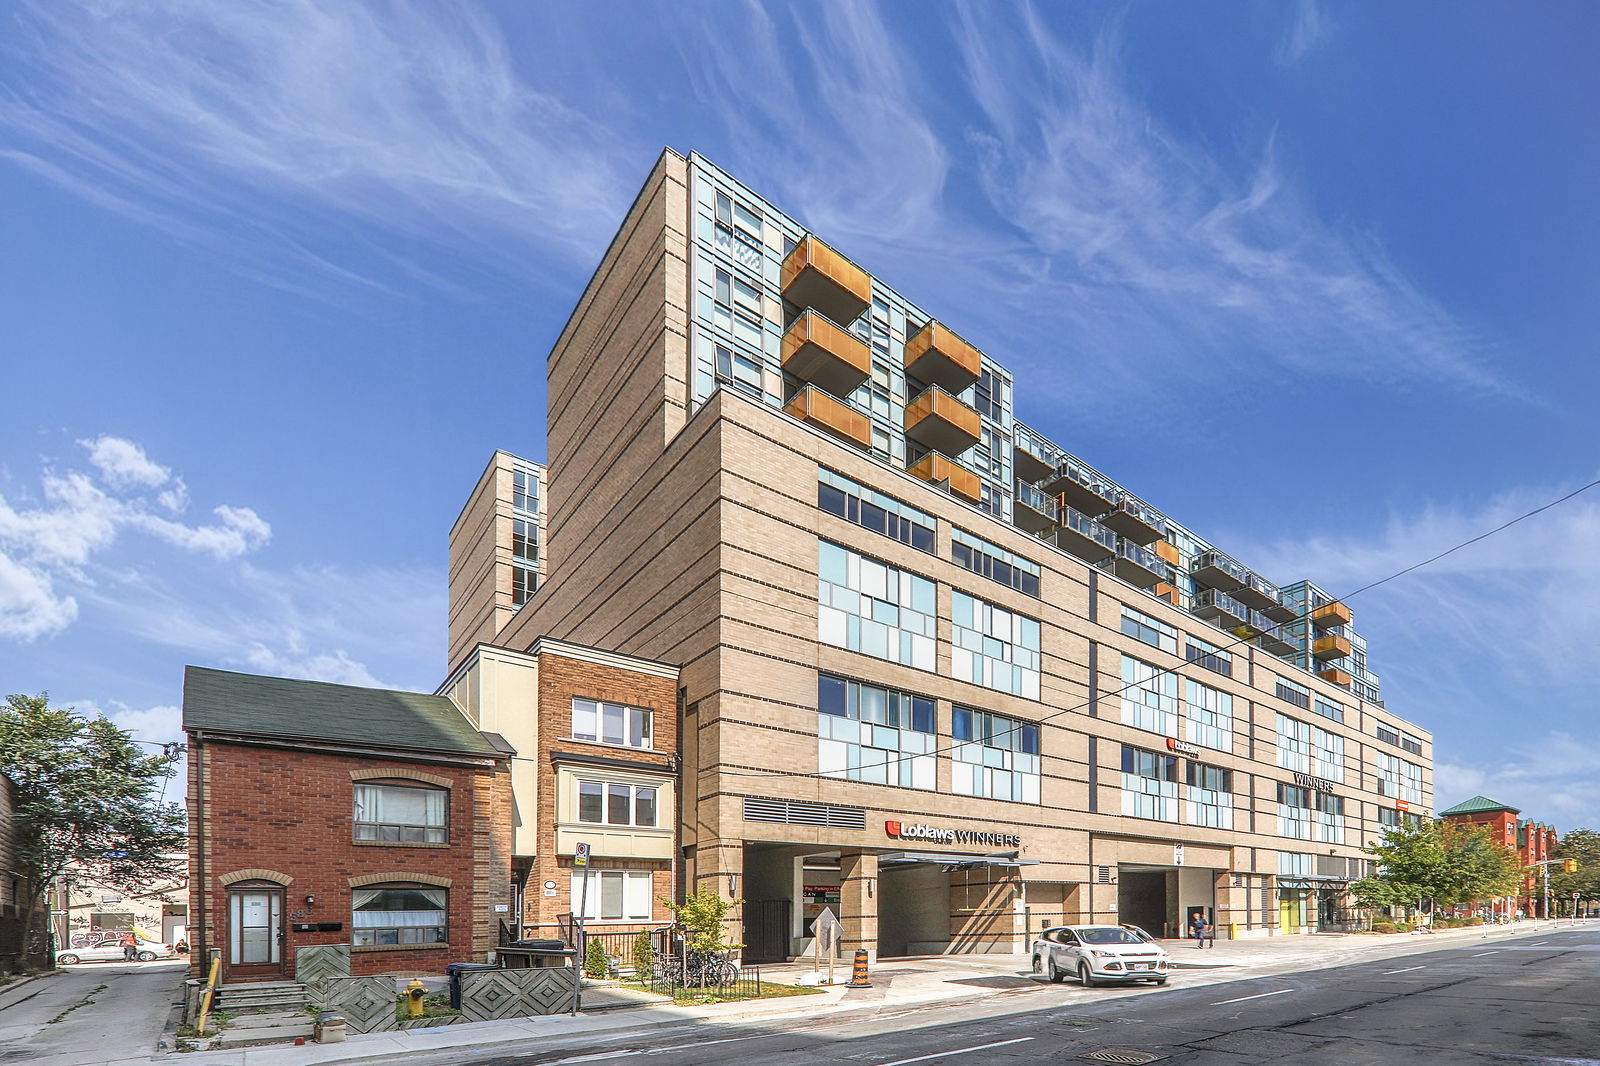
(1285, 916)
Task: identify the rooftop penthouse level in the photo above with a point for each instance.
(782, 315)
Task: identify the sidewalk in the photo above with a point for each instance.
(897, 983)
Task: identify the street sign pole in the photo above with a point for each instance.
(580, 859)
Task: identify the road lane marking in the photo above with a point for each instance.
(1259, 995)
(1408, 969)
(1480, 954)
(957, 1051)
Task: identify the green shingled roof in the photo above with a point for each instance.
(227, 702)
(1478, 805)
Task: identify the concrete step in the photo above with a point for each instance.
(264, 985)
(248, 1002)
(235, 1036)
(270, 1020)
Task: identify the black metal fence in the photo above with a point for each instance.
(735, 982)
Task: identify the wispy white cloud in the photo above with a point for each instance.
(1550, 777)
(1308, 26)
(281, 119)
(1148, 249)
(51, 542)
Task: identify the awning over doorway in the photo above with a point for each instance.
(1323, 884)
(952, 859)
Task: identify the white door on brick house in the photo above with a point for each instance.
(255, 931)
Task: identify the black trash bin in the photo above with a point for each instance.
(454, 971)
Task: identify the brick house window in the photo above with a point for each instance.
(613, 896)
(612, 803)
(401, 814)
(398, 914)
(610, 723)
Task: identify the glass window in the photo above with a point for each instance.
(1151, 630)
(874, 608)
(994, 756)
(1298, 695)
(1208, 799)
(1329, 817)
(525, 491)
(1294, 744)
(1411, 744)
(1210, 715)
(1149, 784)
(1149, 697)
(1387, 735)
(611, 723)
(993, 647)
(878, 735)
(615, 803)
(398, 914)
(1208, 656)
(1294, 811)
(1331, 711)
(612, 895)
(1327, 754)
(401, 814)
(524, 583)
(994, 562)
(856, 503)
(525, 540)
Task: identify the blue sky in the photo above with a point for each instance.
(1318, 280)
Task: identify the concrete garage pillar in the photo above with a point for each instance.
(1233, 909)
(858, 903)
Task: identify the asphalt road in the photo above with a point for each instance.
(1529, 1000)
(88, 1013)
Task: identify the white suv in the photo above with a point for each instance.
(1096, 953)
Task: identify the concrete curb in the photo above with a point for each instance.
(23, 982)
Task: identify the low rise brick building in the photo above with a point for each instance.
(1533, 842)
(333, 814)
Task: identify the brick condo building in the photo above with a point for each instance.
(1534, 843)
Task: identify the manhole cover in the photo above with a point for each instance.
(1122, 1054)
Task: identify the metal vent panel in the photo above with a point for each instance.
(798, 812)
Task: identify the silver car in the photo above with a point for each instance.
(111, 951)
(1099, 953)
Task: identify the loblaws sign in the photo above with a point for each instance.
(939, 835)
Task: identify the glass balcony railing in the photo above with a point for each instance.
(1213, 568)
(1046, 504)
(1221, 608)
(1080, 523)
(1139, 555)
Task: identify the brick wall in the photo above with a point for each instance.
(560, 679)
(290, 811)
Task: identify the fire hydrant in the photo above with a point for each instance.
(415, 992)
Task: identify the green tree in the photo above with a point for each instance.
(702, 918)
(644, 957)
(87, 805)
(1438, 863)
(1583, 845)
(596, 963)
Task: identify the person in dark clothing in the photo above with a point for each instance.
(1198, 927)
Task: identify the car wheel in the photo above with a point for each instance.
(68, 960)
(1056, 976)
(1160, 981)
(1038, 966)
(146, 956)
(1085, 978)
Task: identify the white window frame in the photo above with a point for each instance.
(635, 893)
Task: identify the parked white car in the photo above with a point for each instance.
(1096, 953)
(111, 951)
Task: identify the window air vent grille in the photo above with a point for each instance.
(796, 812)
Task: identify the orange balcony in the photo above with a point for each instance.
(1337, 676)
(814, 407)
(1166, 592)
(1331, 614)
(939, 469)
(1330, 647)
(819, 350)
(937, 420)
(935, 356)
(815, 275)
(1167, 551)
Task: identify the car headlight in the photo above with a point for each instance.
(1113, 965)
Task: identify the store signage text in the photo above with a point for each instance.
(939, 835)
(1182, 748)
(1321, 784)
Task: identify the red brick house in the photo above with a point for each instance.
(332, 814)
(1533, 843)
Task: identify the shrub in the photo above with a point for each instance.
(595, 961)
(643, 957)
(1403, 927)
(1474, 921)
(1383, 927)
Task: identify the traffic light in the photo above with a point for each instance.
(1569, 866)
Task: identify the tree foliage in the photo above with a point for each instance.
(87, 799)
(1583, 845)
(702, 918)
(1441, 862)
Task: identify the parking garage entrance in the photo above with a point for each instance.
(1161, 899)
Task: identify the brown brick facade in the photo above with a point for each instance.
(260, 812)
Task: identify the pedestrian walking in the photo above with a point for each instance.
(130, 947)
(1197, 928)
